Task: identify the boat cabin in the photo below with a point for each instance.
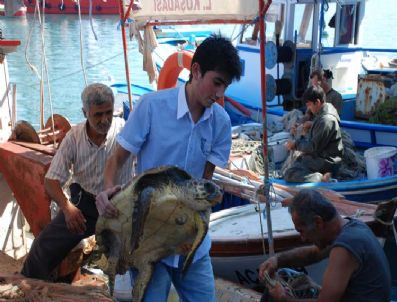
(302, 36)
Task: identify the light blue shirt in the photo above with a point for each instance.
(160, 131)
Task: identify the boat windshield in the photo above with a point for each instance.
(303, 25)
(347, 24)
(341, 24)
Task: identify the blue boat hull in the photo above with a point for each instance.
(365, 190)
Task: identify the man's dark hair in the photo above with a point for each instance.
(313, 93)
(317, 73)
(322, 75)
(308, 204)
(217, 53)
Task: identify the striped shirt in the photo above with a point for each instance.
(83, 161)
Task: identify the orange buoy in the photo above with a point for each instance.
(172, 67)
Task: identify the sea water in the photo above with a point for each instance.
(103, 58)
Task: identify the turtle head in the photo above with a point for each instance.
(203, 189)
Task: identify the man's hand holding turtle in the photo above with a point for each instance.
(104, 206)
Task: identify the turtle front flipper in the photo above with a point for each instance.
(109, 239)
(202, 229)
(141, 209)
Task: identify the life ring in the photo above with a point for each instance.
(172, 67)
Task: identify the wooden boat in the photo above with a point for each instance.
(99, 7)
(9, 209)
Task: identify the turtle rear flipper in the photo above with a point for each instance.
(202, 229)
(144, 263)
(141, 282)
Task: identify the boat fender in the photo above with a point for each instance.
(98, 8)
(61, 6)
(76, 7)
(48, 5)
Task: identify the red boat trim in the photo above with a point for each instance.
(12, 43)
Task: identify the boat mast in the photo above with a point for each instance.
(262, 38)
(123, 18)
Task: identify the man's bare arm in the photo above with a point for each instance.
(302, 256)
(54, 190)
(74, 219)
(297, 257)
(340, 268)
(112, 168)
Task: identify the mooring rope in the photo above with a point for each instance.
(91, 23)
(81, 45)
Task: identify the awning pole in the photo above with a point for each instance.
(127, 70)
(262, 38)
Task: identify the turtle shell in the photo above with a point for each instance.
(162, 212)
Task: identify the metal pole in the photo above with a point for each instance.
(127, 72)
(262, 10)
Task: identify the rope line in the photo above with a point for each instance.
(81, 45)
(78, 71)
(91, 22)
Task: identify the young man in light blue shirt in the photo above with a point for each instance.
(184, 127)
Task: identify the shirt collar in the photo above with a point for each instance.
(184, 109)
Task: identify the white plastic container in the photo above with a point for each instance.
(123, 287)
(380, 161)
(277, 143)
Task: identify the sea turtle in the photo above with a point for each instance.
(161, 212)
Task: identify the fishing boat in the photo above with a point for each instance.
(12, 8)
(376, 188)
(299, 28)
(12, 227)
(240, 239)
(98, 7)
(18, 158)
(301, 37)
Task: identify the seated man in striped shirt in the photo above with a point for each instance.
(81, 157)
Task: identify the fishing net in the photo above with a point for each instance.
(296, 284)
(17, 288)
(385, 113)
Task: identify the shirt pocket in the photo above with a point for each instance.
(205, 147)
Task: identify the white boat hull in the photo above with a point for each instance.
(243, 270)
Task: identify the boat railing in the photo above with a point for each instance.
(8, 111)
